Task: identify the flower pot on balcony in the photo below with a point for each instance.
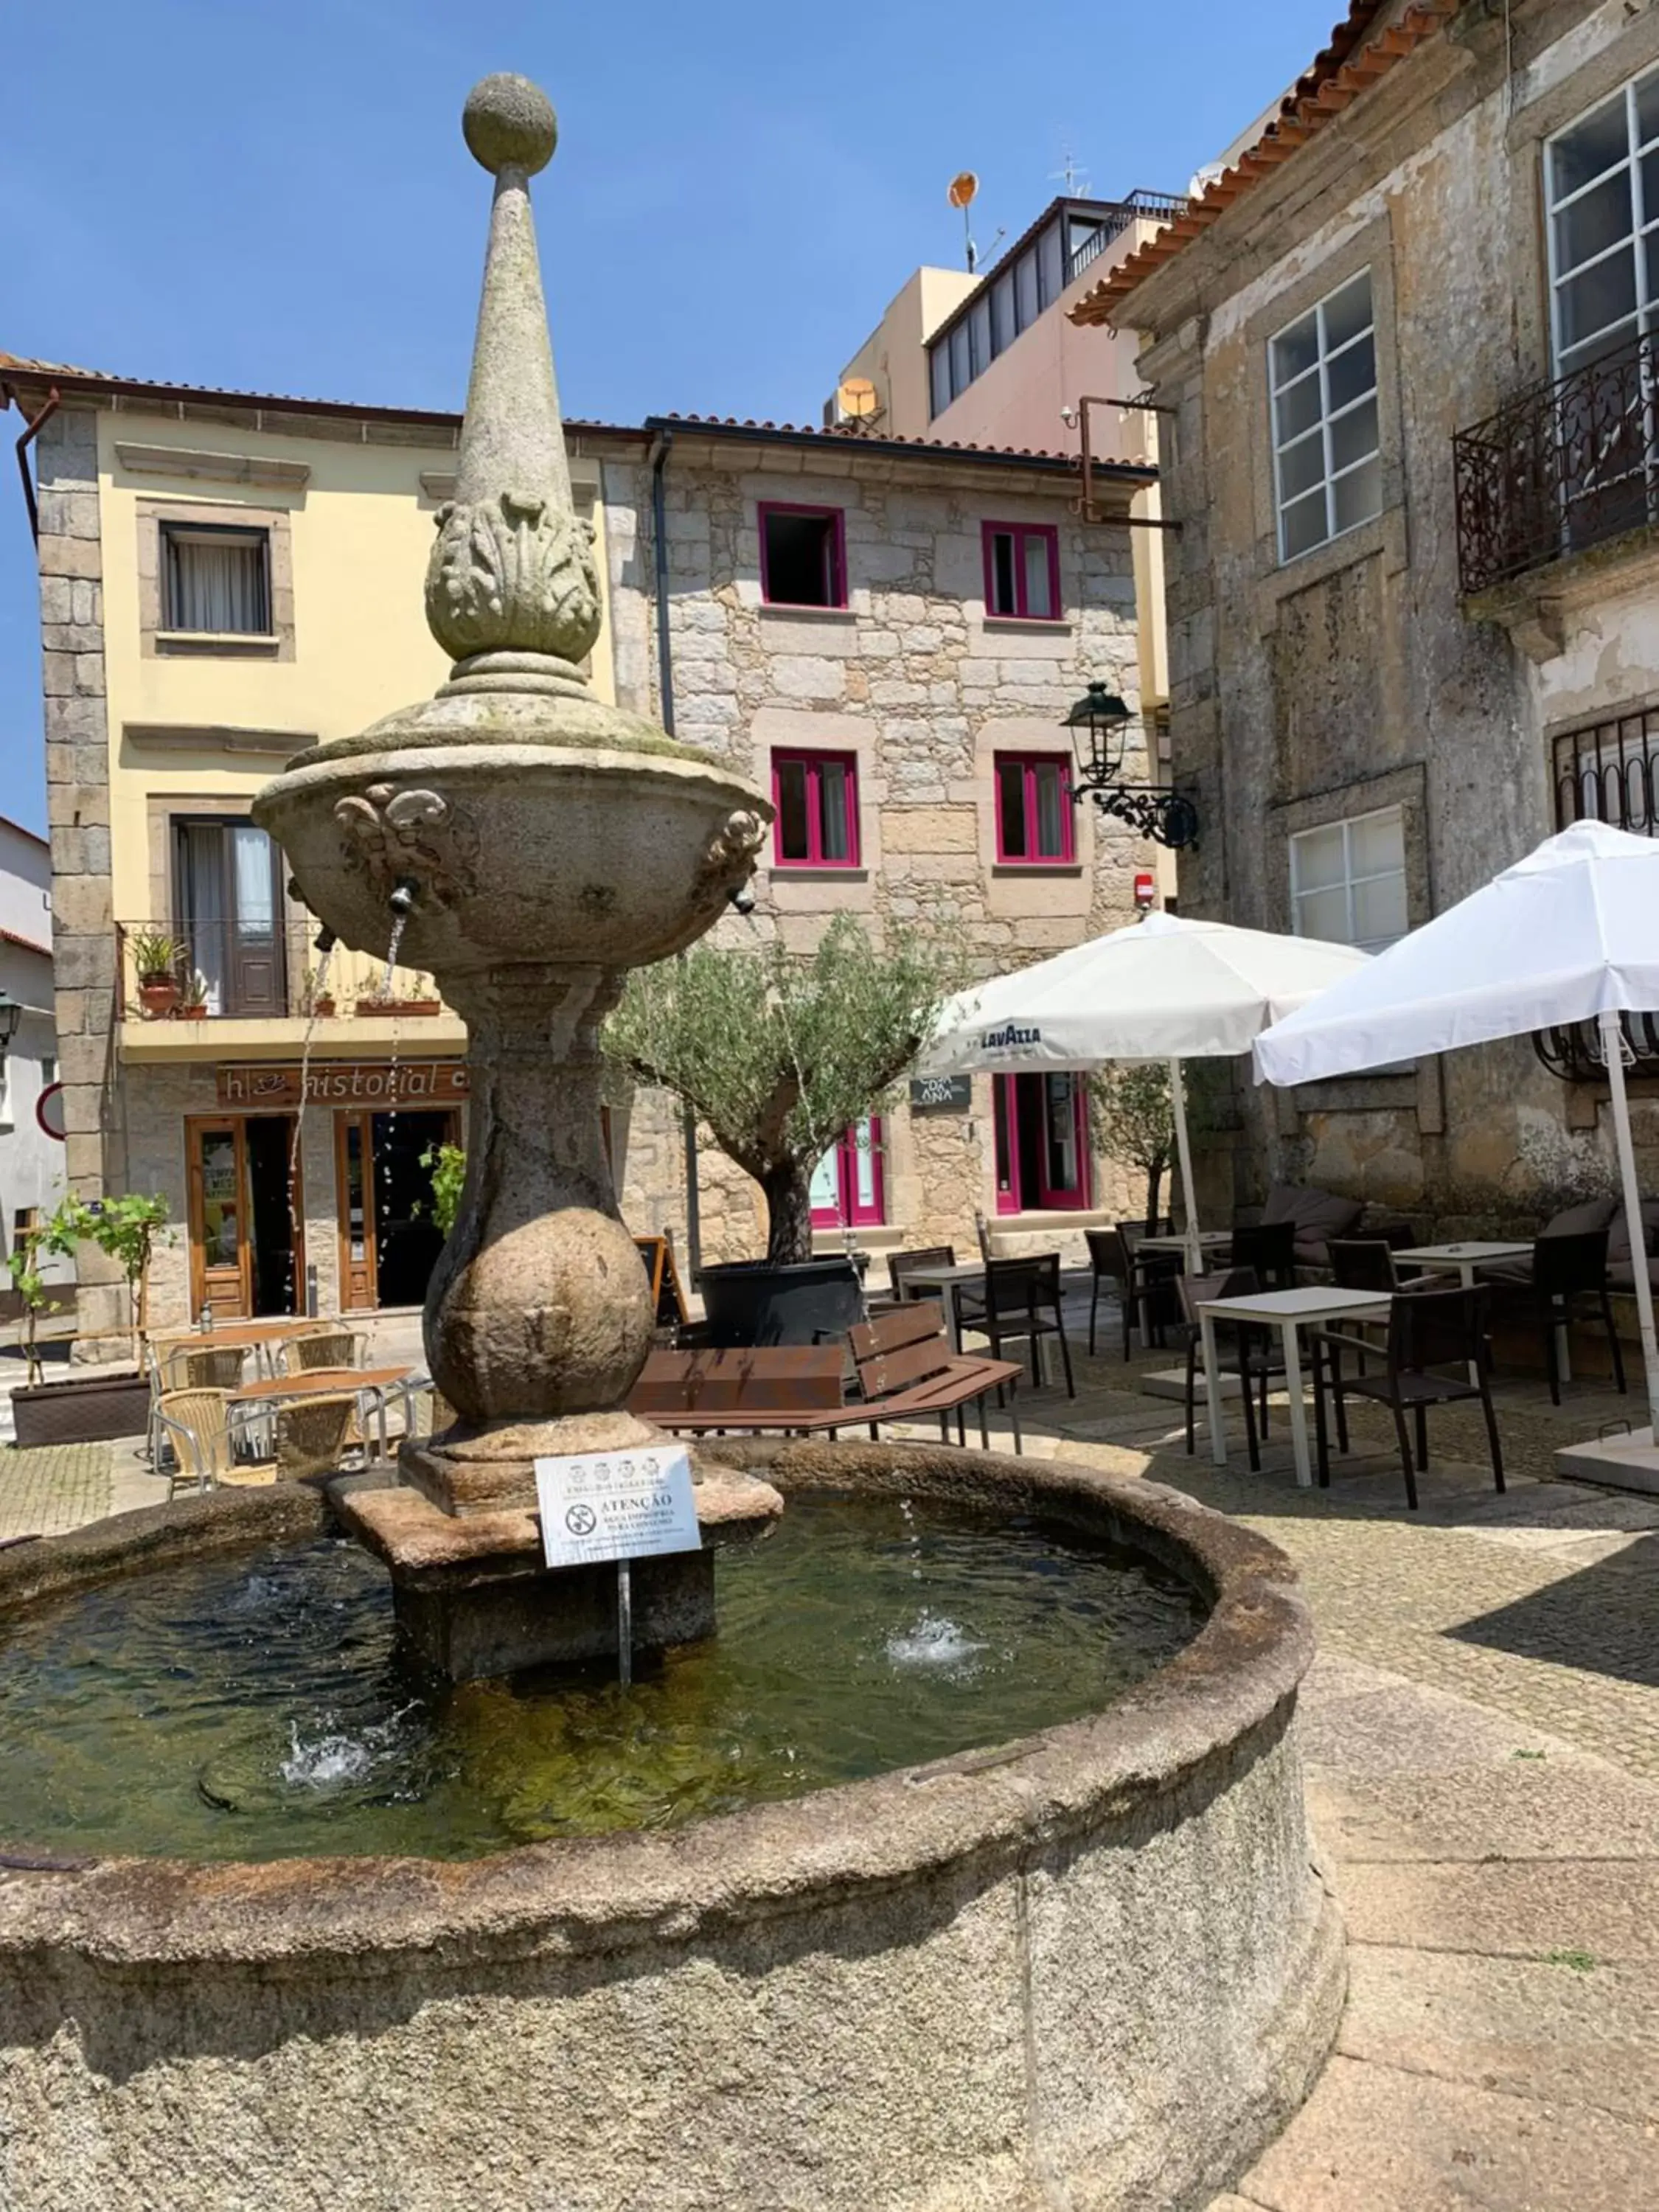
(95, 1411)
(368, 1007)
(158, 996)
(192, 1013)
(323, 1008)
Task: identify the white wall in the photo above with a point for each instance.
(31, 1163)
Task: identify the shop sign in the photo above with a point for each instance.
(343, 1083)
(941, 1093)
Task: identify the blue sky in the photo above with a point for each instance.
(236, 192)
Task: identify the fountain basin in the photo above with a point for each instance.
(1092, 1967)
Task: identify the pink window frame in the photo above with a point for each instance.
(1013, 1198)
(1020, 531)
(848, 1212)
(1029, 762)
(837, 579)
(813, 758)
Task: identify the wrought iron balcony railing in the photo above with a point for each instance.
(1564, 466)
(251, 970)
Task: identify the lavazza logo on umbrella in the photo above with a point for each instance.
(1009, 1036)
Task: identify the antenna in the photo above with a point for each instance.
(857, 400)
(960, 193)
(1075, 180)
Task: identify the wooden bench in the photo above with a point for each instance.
(794, 1388)
(907, 1369)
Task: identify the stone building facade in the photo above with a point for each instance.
(904, 696)
(1412, 607)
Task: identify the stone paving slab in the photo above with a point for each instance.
(1607, 1909)
(51, 1488)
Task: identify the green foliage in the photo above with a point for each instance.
(447, 1164)
(1134, 1119)
(155, 956)
(124, 1231)
(780, 1054)
(54, 1238)
(1582, 1962)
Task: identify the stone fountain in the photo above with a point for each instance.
(1090, 1966)
(526, 844)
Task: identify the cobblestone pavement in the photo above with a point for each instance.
(53, 1487)
(1543, 1604)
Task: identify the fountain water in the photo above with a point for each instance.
(1084, 1965)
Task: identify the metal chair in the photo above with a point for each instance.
(1021, 1299)
(1257, 1356)
(197, 1423)
(1430, 1332)
(1565, 1271)
(322, 1348)
(899, 1265)
(1152, 1289)
(1269, 1247)
(202, 1367)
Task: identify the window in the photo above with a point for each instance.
(1348, 881)
(48, 1071)
(1022, 570)
(803, 561)
(1609, 772)
(1034, 807)
(215, 580)
(849, 1189)
(1601, 194)
(1041, 1143)
(1323, 371)
(816, 797)
(227, 908)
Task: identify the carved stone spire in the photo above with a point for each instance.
(511, 590)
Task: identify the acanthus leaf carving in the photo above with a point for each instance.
(512, 574)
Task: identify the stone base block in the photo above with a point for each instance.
(473, 1598)
(488, 1471)
(1171, 1383)
(1619, 1463)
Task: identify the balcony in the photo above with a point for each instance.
(262, 980)
(1565, 467)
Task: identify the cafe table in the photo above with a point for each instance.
(274, 1328)
(372, 1382)
(1312, 1306)
(939, 1279)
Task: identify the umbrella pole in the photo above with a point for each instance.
(1184, 1152)
(1612, 1052)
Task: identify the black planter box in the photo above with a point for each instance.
(752, 1301)
(96, 1411)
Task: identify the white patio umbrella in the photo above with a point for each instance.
(1569, 934)
(1164, 988)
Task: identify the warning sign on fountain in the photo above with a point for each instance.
(616, 1505)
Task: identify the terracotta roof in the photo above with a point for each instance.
(102, 383)
(25, 943)
(7, 822)
(847, 434)
(1349, 66)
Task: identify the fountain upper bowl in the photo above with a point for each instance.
(526, 829)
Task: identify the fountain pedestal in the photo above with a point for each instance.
(533, 843)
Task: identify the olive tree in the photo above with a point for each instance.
(1134, 1119)
(780, 1053)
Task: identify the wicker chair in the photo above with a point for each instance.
(311, 1437)
(322, 1348)
(187, 1366)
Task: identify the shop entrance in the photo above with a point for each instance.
(246, 1242)
(389, 1240)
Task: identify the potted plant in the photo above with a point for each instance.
(421, 1004)
(779, 1056)
(54, 1238)
(193, 1001)
(316, 998)
(156, 959)
(100, 1407)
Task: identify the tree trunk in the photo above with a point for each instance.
(1154, 1184)
(789, 1214)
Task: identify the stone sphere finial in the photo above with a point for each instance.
(509, 123)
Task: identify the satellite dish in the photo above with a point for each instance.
(963, 185)
(857, 398)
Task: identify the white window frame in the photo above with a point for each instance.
(1643, 223)
(1347, 825)
(1327, 418)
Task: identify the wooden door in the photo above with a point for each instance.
(221, 1254)
(354, 1198)
(229, 899)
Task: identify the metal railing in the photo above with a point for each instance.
(1562, 467)
(1606, 772)
(1138, 207)
(234, 972)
